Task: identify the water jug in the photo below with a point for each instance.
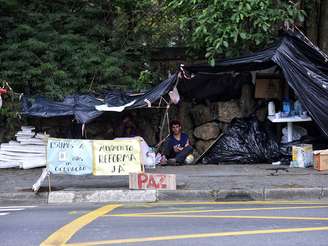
(298, 108)
(286, 107)
(271, 108)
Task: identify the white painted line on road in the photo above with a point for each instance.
(17, 207)
(11, 209)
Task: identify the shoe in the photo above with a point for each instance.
(172, 161)
(163, 161)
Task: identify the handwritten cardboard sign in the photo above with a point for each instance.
(69, 156)
(153, 181)
(116, 157)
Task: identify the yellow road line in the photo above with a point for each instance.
(201, 235)
(241, 202)
(226, 217)
(220, 210)
(62, 235)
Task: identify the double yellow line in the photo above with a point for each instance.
(214, 210)
(202, 235)
(61, 236)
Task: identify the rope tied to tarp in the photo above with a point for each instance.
(183, 73)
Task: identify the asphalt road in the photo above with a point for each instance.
(204, 223)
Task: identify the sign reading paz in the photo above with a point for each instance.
(157, 181)
(116, 157)
(69, 156)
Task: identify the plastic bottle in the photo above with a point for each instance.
(271, 108)
(150, 161)
(298, 108)
(286, 107)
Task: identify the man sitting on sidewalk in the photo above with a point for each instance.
(177, 146)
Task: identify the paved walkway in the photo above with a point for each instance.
(205, 179)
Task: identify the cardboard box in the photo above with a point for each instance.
(321, 160)
(302, 155)
(267, 88)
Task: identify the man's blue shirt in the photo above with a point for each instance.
(181, 143)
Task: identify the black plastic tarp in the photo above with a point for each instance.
(83, 107)
(205, 86)
(304, 66)
(256, 61)
(116, 99)
(248, 141)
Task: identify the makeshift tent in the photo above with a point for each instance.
(85, 108)
(304, 67)
(119, 99)
(204, 86)
(82, 107)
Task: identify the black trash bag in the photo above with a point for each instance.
(245, 141)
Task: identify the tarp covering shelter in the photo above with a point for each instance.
(81, 107)
(304, 67)
(204, 86)
(84, 107)
(119, 99)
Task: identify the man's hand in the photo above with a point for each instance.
(177, 148)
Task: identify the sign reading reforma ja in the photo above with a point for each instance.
(69, 156)
(116, 157)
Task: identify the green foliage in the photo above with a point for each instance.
(9, 120)
(226, 27)
(146, 77)
(57, 48)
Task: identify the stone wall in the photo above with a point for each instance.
(204, 122)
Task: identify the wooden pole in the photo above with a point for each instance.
(49, 182)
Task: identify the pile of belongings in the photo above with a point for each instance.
(28, 151)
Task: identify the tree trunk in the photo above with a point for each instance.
(312, 20)
(323, 28)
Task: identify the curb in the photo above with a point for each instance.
(24, 197)
(295, 194)
(186, 195)
(318, 193)
(126, 196)
(100, 196)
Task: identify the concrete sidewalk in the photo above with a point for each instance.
(194, 182)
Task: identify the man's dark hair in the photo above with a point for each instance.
(174, 122)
